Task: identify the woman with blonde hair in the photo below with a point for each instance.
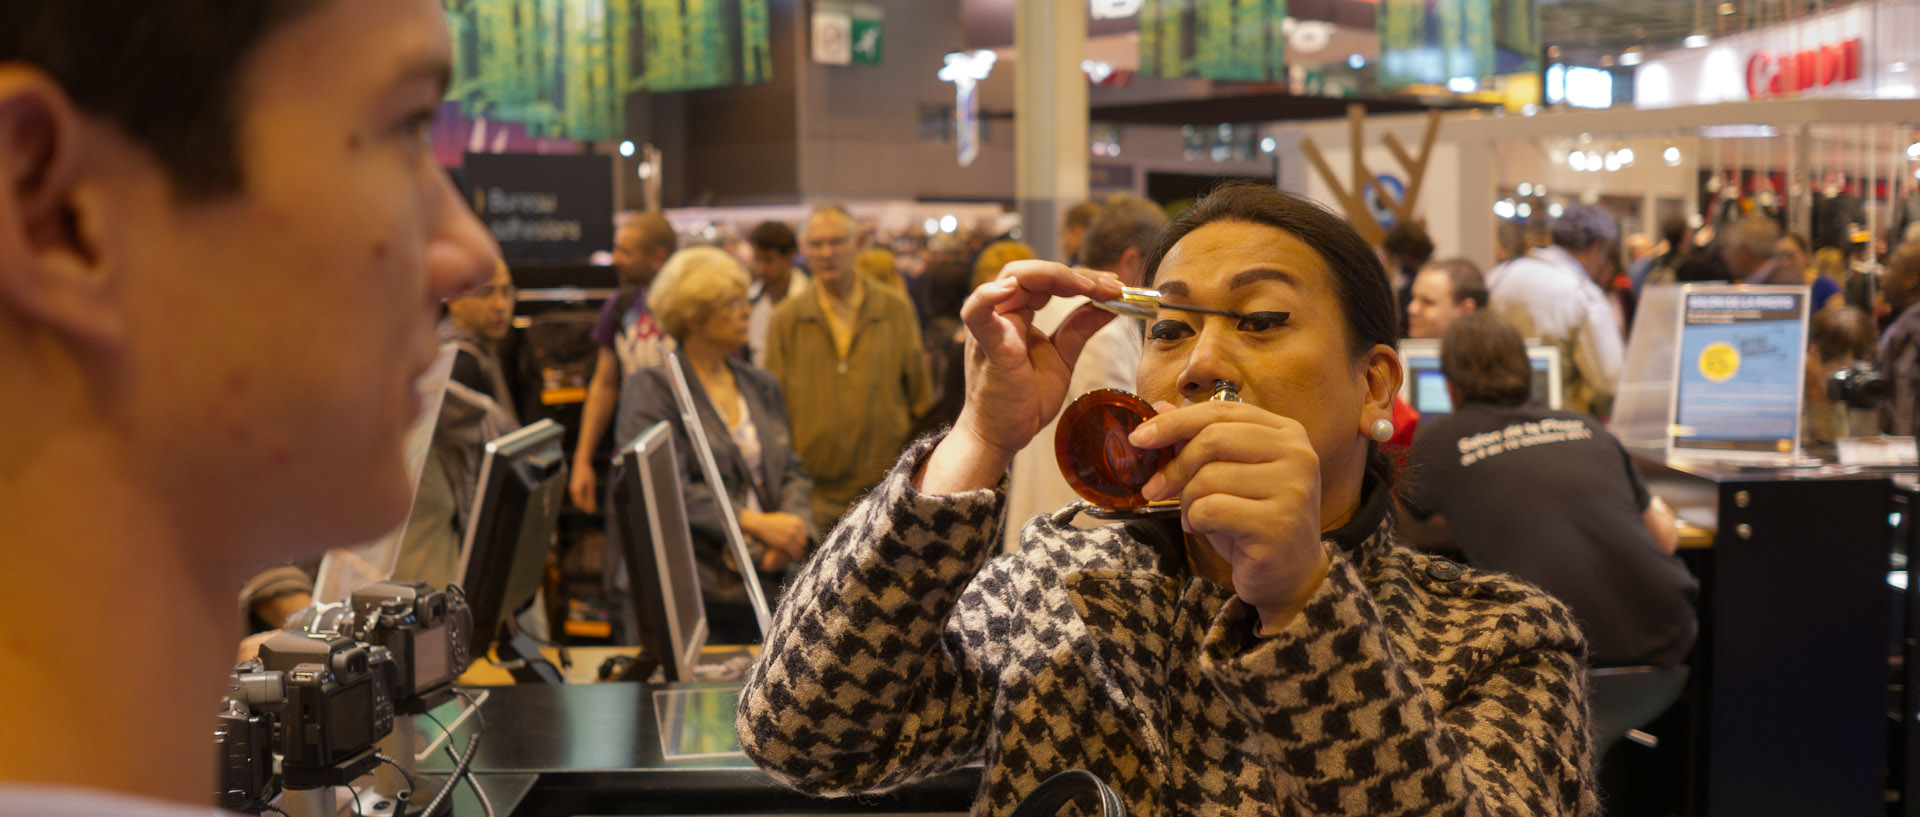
(700, 298)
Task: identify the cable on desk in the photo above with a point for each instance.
(405, 795)
(480, 727)
(273, 808)
(462, 766)
(357, 808)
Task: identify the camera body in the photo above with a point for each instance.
(339, 698)
(243, 738)
(1859, 386)
(425, 630)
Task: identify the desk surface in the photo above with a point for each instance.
(604, 738)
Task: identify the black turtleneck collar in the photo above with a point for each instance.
(1374, 501)
(1163, 533)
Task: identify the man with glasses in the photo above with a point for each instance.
(849, 359)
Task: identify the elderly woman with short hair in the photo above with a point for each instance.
(700, 298)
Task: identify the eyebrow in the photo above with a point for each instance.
(1239, 279)
(435, 68)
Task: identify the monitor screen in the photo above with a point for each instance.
(523, 478)
(1425, 387)
(658, 546)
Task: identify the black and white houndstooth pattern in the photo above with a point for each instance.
(1408, 686)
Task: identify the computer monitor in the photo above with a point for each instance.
(658, 545)
(1424, 387)
(523, 478)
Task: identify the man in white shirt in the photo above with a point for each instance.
(774, 281)
(223, 244)
(1550, 294)
(1117, 241)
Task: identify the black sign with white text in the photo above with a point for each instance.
(543, 208)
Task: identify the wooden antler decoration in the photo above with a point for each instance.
(1353, 199)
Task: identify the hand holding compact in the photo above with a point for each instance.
(1017, 375)
(1248, 482)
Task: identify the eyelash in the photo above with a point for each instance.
(419, 125)
(1263, 321)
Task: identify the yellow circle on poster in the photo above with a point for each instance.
(1719, 362)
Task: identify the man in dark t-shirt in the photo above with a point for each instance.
(1552, 498)
(628, 340)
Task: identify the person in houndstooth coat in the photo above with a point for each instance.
(1272, 651)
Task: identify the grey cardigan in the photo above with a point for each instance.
(1408, 686)
(647, 398)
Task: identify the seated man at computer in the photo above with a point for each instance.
(1551, 497)
(223, 243)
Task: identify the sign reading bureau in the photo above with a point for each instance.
(543, 208)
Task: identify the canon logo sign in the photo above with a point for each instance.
(1768, 75)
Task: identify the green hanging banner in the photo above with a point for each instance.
(1434, 41)
(565, 67)
(1213, 39)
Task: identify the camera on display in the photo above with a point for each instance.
(426, 630)
(1859, 386)
(339, 703)
(326, 690)
(243, 739)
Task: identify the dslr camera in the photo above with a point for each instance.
(1859, 386)
(243, 738)
(339, 703)
(424, 629)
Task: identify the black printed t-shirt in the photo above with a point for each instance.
(1551, 497)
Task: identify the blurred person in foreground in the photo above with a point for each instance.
(849, 361)
(177, 175)
(1551, 294)
(1552, 498)
(1208, 661)
(700, 298)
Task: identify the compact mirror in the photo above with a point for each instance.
(1106, 470)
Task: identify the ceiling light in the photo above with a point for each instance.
(1503, 208)
(1267, 145)
(1671, 155)
(1577, 160)
(1626, 156)
(1555, 209)
(1630, 58)
(1913, 151)
(1695, 41)
(1726, 9)
(1525, 189)
(1356, 62)
(933, 226)
(1525, 210)
(626, 148)
(1462, 85)
(949, 224)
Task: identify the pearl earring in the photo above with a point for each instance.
(1382, 430)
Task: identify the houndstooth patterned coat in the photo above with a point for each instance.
(1409, 686)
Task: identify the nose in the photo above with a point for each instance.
(1211, 359)
(460, 251)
